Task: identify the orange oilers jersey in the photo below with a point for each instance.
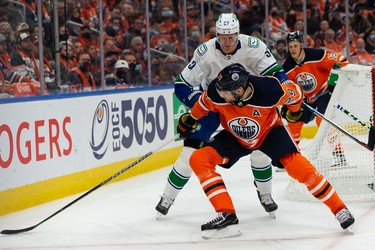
(313, 72)
(250, 120)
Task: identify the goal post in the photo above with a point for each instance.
(347, 165)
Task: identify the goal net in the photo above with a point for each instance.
(351, 170)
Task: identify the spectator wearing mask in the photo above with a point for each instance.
(80, 77)
(195, 38)
(136, 77)
(120, 77)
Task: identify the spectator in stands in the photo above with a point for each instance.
(298, 25)
(137, 49)
(170, 69)
(360, 55)
(8, 15)
(249, 20)
(32, 15)
(352, 40)
(114, 27)
(169, 20)
(89, 16)
(64, 33)
(313, 21)
(280, 52)
(110, 44)
(80, 77)
(62, 12)
(192, 15)
(85, 37)
(7, 31)
(77, 49)
(334, 20)
(93, 52)
(278, 27)
(76, 16)
(320, 35)
(23, 59)
(195, 37)
(370, 42)
(329, 41)
(134, 30)
(360, 24)
(22, 28)
(8, 73)
(66, 59)
(136, 77)
(110, 59)
(120, 76)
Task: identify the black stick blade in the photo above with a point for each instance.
(17, 231)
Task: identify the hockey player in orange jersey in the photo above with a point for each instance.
(247, 106)
(316, 71)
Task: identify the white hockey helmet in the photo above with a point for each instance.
(227, 23)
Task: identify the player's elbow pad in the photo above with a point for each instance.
(186, 95)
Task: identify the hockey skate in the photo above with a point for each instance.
(268, 204)
(163, 206)
(346, 219)
(225, 225)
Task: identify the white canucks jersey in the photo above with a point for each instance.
(208, 61)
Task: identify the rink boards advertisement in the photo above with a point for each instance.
(84, 139)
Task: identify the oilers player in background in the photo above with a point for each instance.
(316, 71)
(249, 102)
(209, 58)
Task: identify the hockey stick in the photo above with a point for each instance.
(371, 141)
(348, 113)
(16, 231)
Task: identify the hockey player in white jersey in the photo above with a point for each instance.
(209, 59)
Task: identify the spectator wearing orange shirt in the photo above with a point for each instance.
(329, 41)
(88, 14)
(360, 55)
(278, 27)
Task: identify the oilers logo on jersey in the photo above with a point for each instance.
(244, 127)
(307, 81)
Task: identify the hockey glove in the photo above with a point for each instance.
(294, 117)
(187, 126)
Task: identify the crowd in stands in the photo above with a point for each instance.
(125, 38)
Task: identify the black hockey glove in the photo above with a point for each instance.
(293, 117)
(187, 126)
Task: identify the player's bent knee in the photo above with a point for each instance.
(259, 159)
(205, 158)
(182, 165)
(298, 167)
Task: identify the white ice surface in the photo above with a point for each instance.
(121, 216)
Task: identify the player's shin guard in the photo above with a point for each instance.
(299, 168)
(203, 162)
(177, 178)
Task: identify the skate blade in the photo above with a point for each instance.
(228, 232)
(272, 214)
(280, 170)
(158, 215)
(351, 229)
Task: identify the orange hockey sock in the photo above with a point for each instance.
(299, 168)
(203, 162)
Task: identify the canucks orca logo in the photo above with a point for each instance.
(99, 130)
(307, 81)
(244, 127)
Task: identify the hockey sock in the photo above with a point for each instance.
(179, 175)
(262, 171)
(295, 130)
(299, 168)
(203, 163)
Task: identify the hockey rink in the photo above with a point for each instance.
(121, 215)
